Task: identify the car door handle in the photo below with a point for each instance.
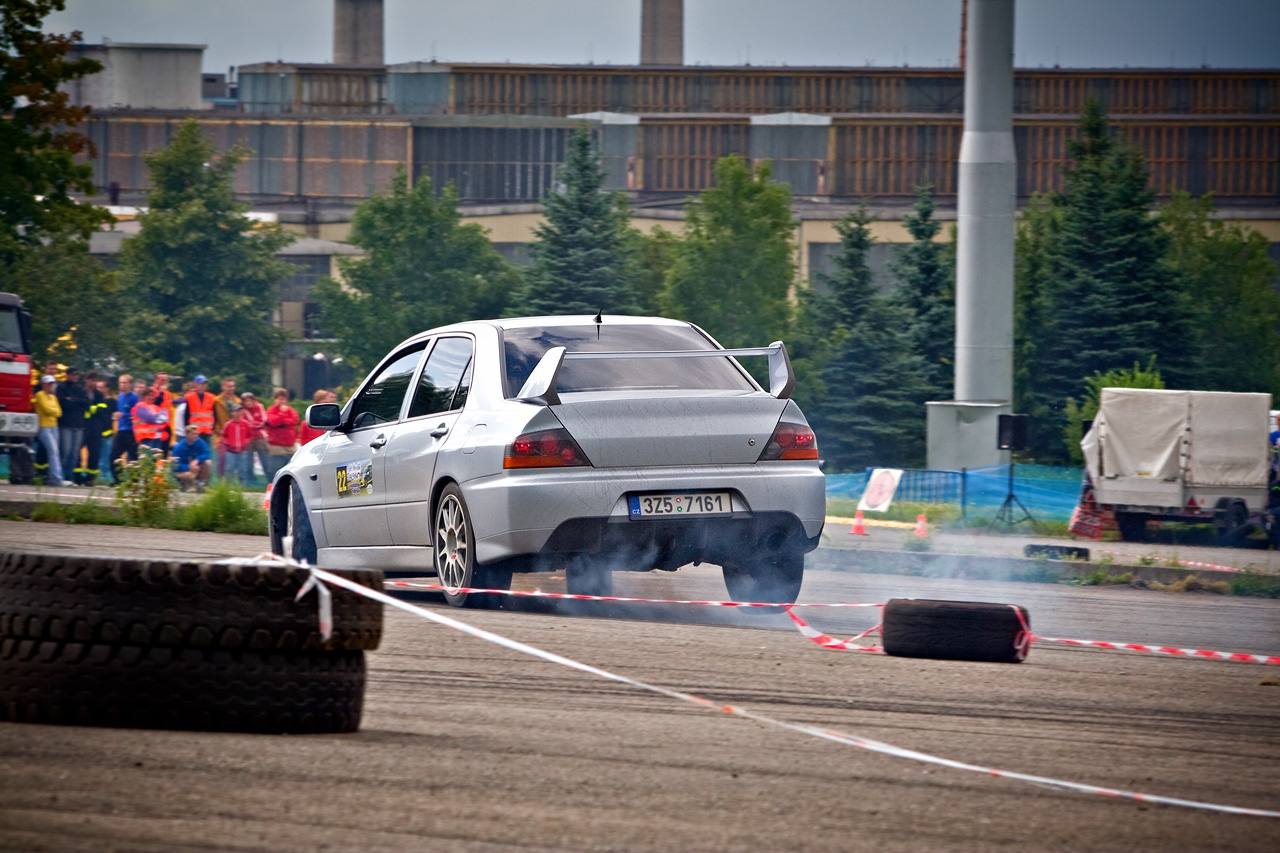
(380, 441)
(439, 431)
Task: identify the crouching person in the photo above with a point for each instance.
(191, 460)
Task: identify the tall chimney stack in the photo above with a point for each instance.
(357, 32)
(662, 32)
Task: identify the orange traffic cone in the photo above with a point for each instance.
(859, 527)
(922, 526)
(266, 499)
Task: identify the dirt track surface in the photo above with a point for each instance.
(469, 746)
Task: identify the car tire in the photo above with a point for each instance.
(955, 630)
(1132, 525)
(453, 541)
(117, 600)
(292, 520)
(772, 579)
(586, 575)
(202, 689)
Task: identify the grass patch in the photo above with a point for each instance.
(1255, 585)
(87, 511)
(1102, 577)
(223, 509)
(1191, 583)
(917, 543)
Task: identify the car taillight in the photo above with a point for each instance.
(552, 448)
(791, 441)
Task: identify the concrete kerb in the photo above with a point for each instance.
(994, 568)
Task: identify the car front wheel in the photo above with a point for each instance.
(453, 541)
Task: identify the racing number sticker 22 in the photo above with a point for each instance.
(355, 478)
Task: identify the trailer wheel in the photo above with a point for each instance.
(1235, 525)
(1133, 526)
(956, 630)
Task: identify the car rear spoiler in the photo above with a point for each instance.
(540, 387)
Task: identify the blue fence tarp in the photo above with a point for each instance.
(1049, 493)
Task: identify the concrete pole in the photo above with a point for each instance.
(988, 184)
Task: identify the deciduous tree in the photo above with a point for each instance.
(422, 268)
(201, 275)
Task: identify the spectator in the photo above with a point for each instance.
(306, 434)
(191, 463)
(97, 422)
(74, 402)
(107, 434)
(200, 406)
(50, 411)
(123, 446)
(149, 421)
(282, 432)
(223, 406)
(234, 445)
(165, 401)
(255, 417)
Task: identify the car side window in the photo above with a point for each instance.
(381, 399)
(446, 378)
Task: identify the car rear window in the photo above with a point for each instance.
(523, 347)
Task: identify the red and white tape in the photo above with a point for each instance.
(824, 734)
(1192, 563)
(1202, 654)
(567, 596)
(829, 642)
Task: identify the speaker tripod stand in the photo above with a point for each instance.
(1006, 512)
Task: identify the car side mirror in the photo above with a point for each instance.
(325, 416)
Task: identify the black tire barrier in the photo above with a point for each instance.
(1057, 552)
(178, 604)
(956, 630)
(203, 689)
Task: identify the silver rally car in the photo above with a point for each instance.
(589, 444)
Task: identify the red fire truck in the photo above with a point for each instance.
(18, 422)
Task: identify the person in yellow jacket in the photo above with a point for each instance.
(49, 410)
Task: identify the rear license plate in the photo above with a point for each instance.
(685, 503)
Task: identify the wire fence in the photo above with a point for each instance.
(1049, 493)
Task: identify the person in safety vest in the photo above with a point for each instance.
(97, 432)
(165, 401)
(148, 421)
(200, 404)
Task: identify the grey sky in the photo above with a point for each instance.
(1071, 33)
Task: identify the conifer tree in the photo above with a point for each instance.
(580, 256)
(1033, 326)
(925, 287)
(1115, 299)
(874, 382)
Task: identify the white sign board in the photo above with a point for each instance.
(881, 486)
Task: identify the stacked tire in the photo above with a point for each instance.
(137, 643)
(956, 630)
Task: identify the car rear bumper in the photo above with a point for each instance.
(572, 510)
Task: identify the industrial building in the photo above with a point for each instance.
(324, 136)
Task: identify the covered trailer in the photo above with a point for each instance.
(1182, 456)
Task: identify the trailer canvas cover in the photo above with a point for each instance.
(1143, 432)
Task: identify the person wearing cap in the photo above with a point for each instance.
(200, 406)
(191, 460)
(74, 401)
(49, 411)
